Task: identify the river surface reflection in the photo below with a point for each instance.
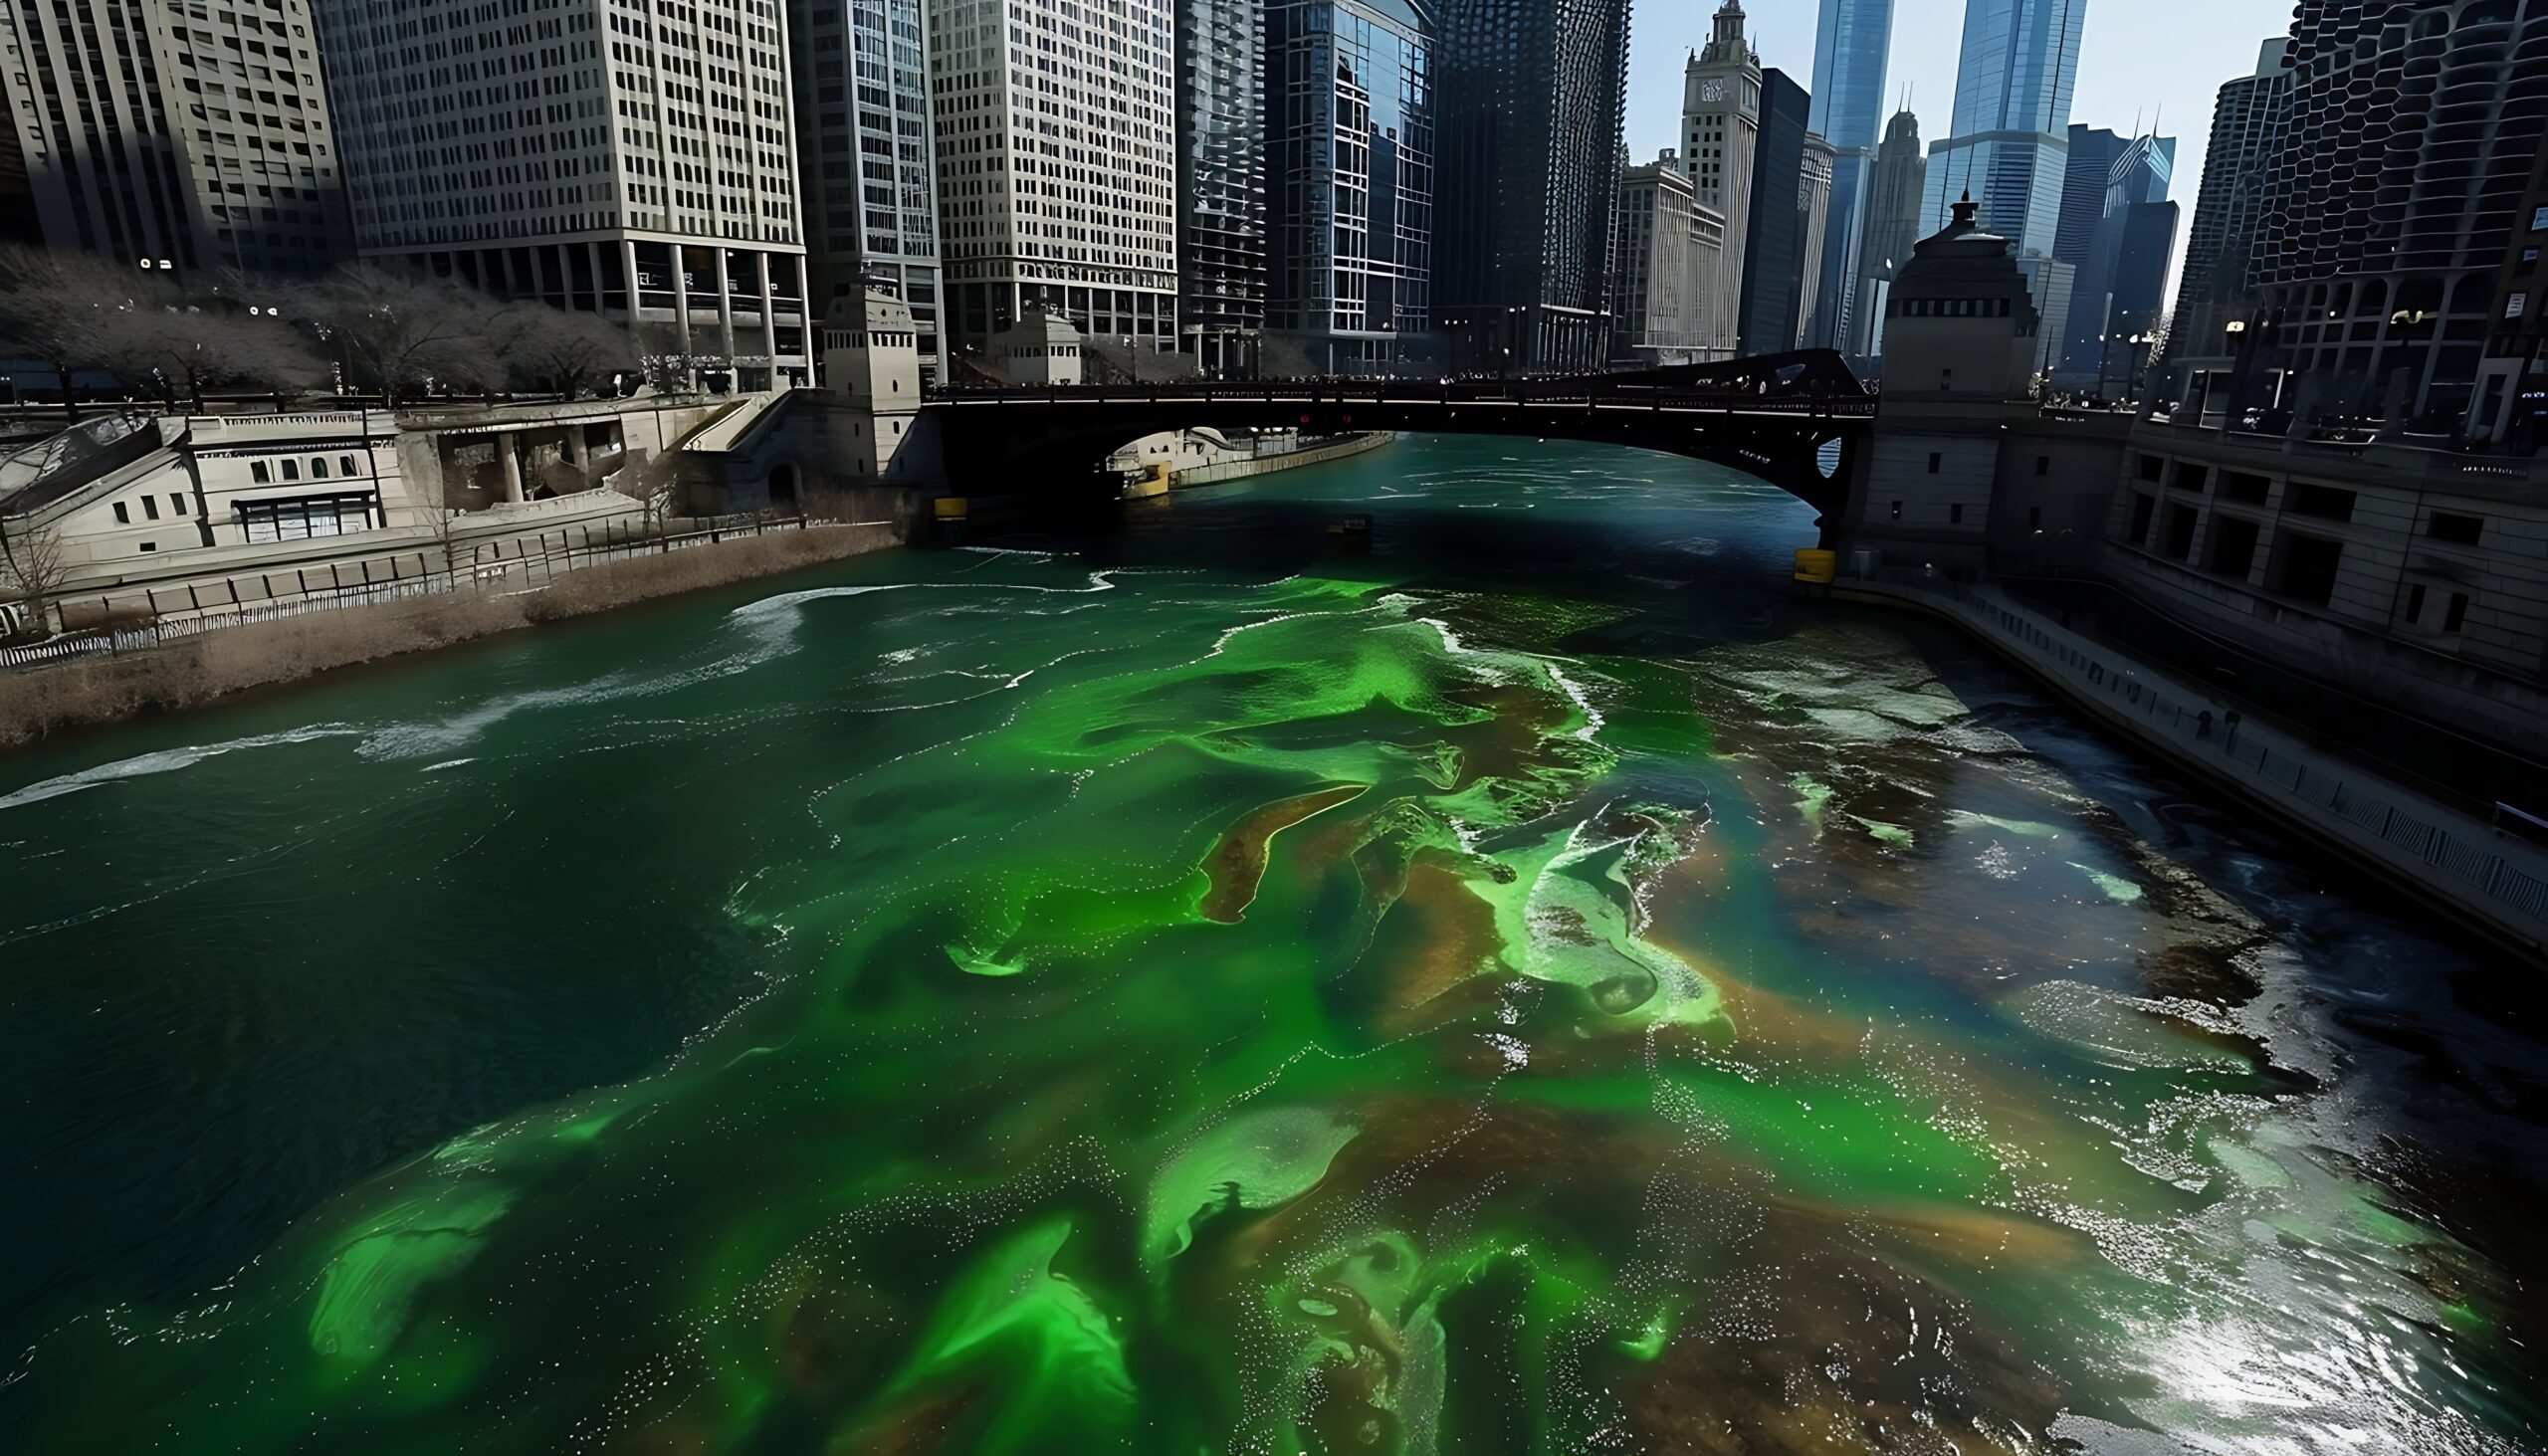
(1522, 985)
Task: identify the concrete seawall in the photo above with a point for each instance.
(39, 702)
(2451, 859)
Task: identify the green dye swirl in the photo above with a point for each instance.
(1569, 1083)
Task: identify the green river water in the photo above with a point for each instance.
(1197, 986)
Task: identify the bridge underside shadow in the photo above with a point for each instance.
(1793, 421)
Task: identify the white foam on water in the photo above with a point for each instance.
(446, 763)
(166, 761)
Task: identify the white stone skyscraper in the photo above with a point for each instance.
(632, 157)
(241, 171)
(1056, 141)
(1720, 134)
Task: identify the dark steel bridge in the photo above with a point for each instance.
(1794, 420)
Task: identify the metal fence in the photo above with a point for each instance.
(511, 564)
(2306, 785)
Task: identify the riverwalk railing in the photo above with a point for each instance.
(2503, 873)
(501, 567)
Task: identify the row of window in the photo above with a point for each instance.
(263, 473)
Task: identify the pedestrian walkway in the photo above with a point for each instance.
(2441, 851)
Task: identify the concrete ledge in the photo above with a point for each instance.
(2443, 856)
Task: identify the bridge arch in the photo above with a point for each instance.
(1794, 420)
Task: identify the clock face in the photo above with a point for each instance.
(1711, 91)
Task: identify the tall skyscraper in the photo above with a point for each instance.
(2085, 171)
(1533, 98)
(1720, 139)
(1057, 165)
(1813, 209)
(2118, 236)
(2006, 145)
(635, 158)
(2394, 192)
(1350, 182)
(168, 137)
(1220, 179)
(2247, 121)
(1850, 41)
(870, 184)
(1893, 225)
(1777, 264)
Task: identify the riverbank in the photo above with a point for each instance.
(39, 703)
(2452, 860)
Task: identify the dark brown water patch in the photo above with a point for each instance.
(1238, 862)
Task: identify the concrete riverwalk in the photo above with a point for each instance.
(2443, 854)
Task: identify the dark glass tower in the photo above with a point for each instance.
(1774, 255)
(1532, 96)
(1220, 179)
(1850, 41)
(1350, 190)
(868, 176)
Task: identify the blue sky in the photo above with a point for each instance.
(2138, 57)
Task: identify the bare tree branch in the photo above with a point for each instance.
(54, 304)
(33, 566)
(552, 351)
(401, 334)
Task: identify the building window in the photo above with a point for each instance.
(292, 470)
(150, 546)
(177, 504)
(2457, 613)
(257, 472)
(1935, 460)
(2043, 466)
(124, 517)
(345, 465)
(2415, 603)
(2514, 305)
(1955, 515)
(2143, 506)
(2457, 529)
(2035, 518)
(1897, 510)
(2153, 467)
(317, 466)
(2324, 502)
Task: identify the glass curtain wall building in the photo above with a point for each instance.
(2006, 147)
(1350, 185)
(1533, 95)
(1220, 181)
(870, 180)
(1851, 42)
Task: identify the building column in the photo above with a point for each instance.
(725, 316)
(681, 316)
(627, 276)
(769, 320)
(593, 255)
(509, 457)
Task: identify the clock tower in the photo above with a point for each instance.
(1720, 132)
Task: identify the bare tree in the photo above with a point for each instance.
(54, 304)
(400, 335)
(34, 568)
(552, 351)
(670, 369)
(654, 481)
(179, 351)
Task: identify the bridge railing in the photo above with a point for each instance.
(1512, 394)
